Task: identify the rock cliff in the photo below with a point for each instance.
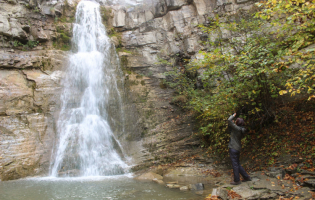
(35, 37)
(30, 71)
(151, 39)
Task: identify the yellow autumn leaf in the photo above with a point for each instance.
(282, 92)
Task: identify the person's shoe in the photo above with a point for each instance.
(247, 179)
(236, 183)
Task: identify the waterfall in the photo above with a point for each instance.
(87, 145)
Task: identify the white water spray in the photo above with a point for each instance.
(86, 143)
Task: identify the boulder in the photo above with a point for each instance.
(39, 34)
(184, 188)
(248, 193)
(220, 192)
(11, 28)
(4, 25)
(48, 9)
(276, 173)
(173, 186)
(160, 8)
(159, 181)
(197, 186)
(149, 176)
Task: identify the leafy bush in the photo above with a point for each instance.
(294, 23)
(247, 65)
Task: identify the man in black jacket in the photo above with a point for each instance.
(235, 146)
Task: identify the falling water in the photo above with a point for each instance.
(87, 145)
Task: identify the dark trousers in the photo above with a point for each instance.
(237, 168)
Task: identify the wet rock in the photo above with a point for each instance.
(186, 170)
(115, 40)
(159, 170)
(173, 186)
(149, 176)
(220, 192)
(184, 188)
(71, 173)
(197, 186)
(159, 181)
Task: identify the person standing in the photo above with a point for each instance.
(235, 146)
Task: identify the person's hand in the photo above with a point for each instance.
(234, 114)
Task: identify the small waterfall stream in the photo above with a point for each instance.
(86, 140)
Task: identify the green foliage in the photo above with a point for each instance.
(112, 33)
(62, 46)
(245, 68)
(294, 25)
(119, 49)
(124, 61)
(36, 10)
(64, 19)
(29, 45)
(17, 43)
(237, 73)
(63, 40)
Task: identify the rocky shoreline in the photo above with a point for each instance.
(282, 182)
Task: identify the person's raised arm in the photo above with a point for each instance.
(231, 123)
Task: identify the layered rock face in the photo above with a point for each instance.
(150, 35)
(30, 74)
(156, 131)
(169, 28)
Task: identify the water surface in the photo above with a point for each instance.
(90, 188)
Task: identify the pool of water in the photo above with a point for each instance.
(90, 188)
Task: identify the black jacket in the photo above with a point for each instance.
(236, 135)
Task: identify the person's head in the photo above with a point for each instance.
(240, 122)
